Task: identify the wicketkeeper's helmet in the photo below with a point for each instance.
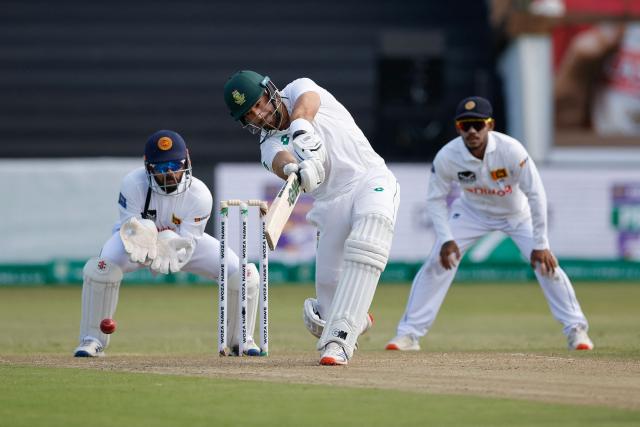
(165, 153)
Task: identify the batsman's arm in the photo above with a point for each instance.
(306, 106)
(282, 159)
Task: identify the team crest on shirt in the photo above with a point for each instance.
(467, 177)
(499, 174)
(122, 201)
(175, 219)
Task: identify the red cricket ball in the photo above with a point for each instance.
(108, 326)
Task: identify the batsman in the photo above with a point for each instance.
(163, 213)
(304, 130)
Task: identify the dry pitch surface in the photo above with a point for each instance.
(552, 379)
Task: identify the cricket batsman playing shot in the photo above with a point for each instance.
(163, 213)
(501, 190)
(305, 131)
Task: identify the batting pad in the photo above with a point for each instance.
(101, 283)
(365, 257)
(233, 319)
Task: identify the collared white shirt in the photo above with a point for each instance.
(349, 153)
(504, 184)
(185, 213)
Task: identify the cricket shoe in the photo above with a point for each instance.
(578, 339)
(251, 349)
(404, 343)
(89, 347)
(334, 354)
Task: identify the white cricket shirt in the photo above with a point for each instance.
(505, 184)
(349, 153)
(186, 213)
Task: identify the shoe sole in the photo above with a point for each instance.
(584, 347)
(83, 353)
(331, 361)
(395, 347)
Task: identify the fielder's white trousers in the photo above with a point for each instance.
(204, 262)
(432, 281)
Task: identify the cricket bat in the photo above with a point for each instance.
(280, 210)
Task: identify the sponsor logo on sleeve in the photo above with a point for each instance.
(200, 218)
(499, 174)
(122, 201)
(467, 177)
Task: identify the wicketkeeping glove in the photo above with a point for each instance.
(173, 252)
(139, 238)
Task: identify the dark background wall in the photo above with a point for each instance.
(82, 79)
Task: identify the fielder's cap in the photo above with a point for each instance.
(163, 146)
(474, 107)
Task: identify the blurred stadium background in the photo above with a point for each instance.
(84, 83)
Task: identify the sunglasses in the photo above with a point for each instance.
(164, 167)
(466, 124)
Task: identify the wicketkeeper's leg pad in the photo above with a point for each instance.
(365, 257)
(233, 319)
(100, 288)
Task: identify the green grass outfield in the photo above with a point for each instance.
(180, 321)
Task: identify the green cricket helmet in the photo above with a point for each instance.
(243, 90)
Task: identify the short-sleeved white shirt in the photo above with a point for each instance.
(504, 184)
(349, 153)
(186, 213)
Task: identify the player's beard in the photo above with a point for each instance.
(168, 182)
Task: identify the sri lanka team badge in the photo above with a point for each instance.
(175, 219)
(165, 143)
(499, 174)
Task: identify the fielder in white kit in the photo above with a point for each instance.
(163, 213)
(501, 190)
(305, 130)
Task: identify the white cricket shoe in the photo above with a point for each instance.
(333, 354)
(578, 339)
(89, 347)
(404, 343)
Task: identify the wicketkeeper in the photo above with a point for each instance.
(163, 213)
